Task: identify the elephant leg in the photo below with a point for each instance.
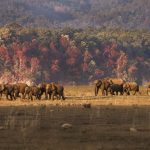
(28, 97)
(53, 96)
(46, 95)
(31, 98)
(58, 96)
(103, 93)
(128, 92)
(23, 95)
(63, 97)
(14, 97)
(11, 96)
(39, 97)
(7, 96)
(16, 94)
(96, 90)
(121, 93)
(134, 93)
(50, 95)
(147, 91)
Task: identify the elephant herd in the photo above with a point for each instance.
(117, 86)
(50, 90)
(53, 91)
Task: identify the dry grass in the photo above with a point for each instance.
(79, 95)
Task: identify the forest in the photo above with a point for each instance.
(73, 55)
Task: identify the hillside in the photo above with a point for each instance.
(129, 14)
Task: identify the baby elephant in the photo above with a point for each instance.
(115, 89)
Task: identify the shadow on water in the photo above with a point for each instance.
(75, 128)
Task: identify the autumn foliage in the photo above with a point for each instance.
(71, 55)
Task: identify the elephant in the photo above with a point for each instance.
(42, 87)
(104, 85)
(48, 91)
(33, 91)
(1, 90)
(148, 88)
(115, 89)
(58, 91)
(9, 90)
(131, 86)
(20, 89)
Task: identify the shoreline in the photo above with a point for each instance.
(80, 101)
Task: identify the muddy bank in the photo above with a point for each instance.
(95, 128)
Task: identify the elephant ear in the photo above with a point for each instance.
(111, 82)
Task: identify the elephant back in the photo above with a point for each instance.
(118, 81)
(21, 87)
(130, 85)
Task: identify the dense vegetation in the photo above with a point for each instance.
(77, 13)
(66, 55)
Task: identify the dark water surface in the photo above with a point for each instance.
(96, 128)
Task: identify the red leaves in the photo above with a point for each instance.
(34, 64)
(110, 51)
(99, 72)
(44, 49)
(47, 60)
(141, 59)
(122, 61)
(87, 56)
(73, 55)
(85, 67)
(111, 63)
(4, 53)
(55, 66)
(71, 61)
(132, 70)
(53, 47)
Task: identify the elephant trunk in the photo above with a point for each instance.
(96, 90)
